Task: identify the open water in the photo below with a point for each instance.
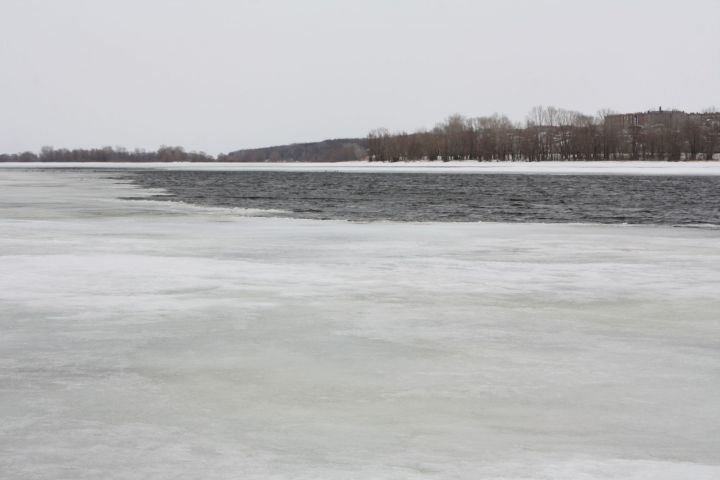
(633, 199)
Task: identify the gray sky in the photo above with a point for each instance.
(217, 75)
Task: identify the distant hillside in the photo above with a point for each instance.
(335, 150)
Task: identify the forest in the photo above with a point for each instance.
(108, 154)
(548, 133)
(326, 151)
(551, 133)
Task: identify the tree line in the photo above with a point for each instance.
(108, 154)
(548, 133)
(336, 150)
(551, 133)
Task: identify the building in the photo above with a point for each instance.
(651, 118)
(661, 118)
(709, 120)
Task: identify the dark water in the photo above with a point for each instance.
(676, 200)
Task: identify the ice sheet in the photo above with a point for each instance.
(145, 339)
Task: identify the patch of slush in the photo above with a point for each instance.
(145, 339)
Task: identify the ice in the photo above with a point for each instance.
(458, 166)
(145, 339)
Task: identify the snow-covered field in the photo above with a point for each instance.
(561, 168)
(156, 340)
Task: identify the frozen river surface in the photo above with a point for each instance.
(158, 340)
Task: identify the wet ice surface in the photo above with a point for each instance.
(145, 339)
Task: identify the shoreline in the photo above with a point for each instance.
(460, 166)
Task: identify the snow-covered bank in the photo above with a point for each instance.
(146, 339)
(560, 168)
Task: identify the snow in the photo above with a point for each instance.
(145, 339)
(468, 166)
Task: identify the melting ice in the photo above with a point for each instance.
(143, 339)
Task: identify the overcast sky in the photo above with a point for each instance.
(217, 75)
